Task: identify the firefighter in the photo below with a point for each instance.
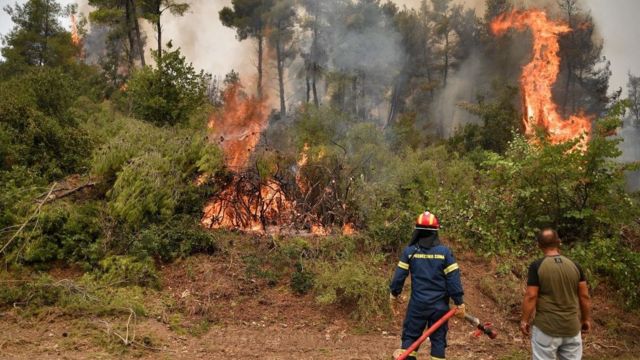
(435, 278)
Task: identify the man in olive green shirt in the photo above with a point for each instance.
(557, 291)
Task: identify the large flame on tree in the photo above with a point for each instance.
(539, 76)
(75, 35)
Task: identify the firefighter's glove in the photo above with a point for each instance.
(462, 310)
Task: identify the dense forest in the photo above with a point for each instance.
(118, 156)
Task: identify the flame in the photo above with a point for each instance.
(539, 76)
(348, 229)
(75, 36)
(247, 202)
(304, 159)
(239, 125)
(234, 208)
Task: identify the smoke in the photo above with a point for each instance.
(630, 134)
(204, 41)
(621, 30)
(463, 86)
(370, 49)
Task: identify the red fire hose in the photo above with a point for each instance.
(427, 333)
(486, 329)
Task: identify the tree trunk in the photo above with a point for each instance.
(314, 60)
(308, 84)
(354, 95)
(260, 64)
(364, 111)
(314, 86)
(446, 59)
(567, 90)
(129, 29)
(136, 25)
(45, 46)
(159, 30)
(280, 65)
(393, 105)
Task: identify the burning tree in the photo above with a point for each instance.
(539, 76)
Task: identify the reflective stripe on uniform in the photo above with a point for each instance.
(428, 256)
(403, 265)
(451, 268)
(437, 358)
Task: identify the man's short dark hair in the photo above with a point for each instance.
(548, 238)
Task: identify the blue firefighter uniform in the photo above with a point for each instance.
(435, 278)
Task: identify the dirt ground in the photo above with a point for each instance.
(226, 316)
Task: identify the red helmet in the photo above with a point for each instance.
(427, 221)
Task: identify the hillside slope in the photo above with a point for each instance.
(208, 309)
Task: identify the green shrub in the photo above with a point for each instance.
(38, 291)
(37, 127)
(356, 284)
(168, 94)
(65, 231)
(256, 268)
(176, 238)
(302, 280)
(122, 271)
(145, 191)
(611, 259)
(149, 173)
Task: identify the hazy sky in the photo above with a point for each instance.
(217, 52)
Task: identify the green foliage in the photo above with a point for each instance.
(126, 270)
(500, 121)
(256, 268)
(425, 179)
(148, 172)
(169, 94)
(37, 39)
(355, 284)
(40, 129)
(246, 16)
(66, 232)
(610, 258)
(302, 280)
(36, 292)
(145, 191)
(173, 239)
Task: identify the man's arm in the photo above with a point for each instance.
(585, 306)
(400, 275)
(530, 297)
(528, 307)
(453, 279)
